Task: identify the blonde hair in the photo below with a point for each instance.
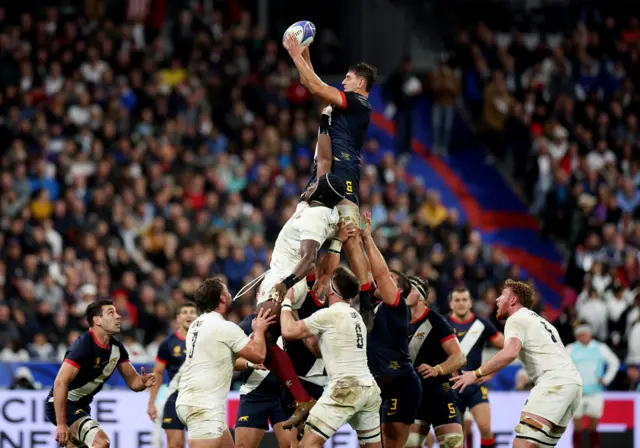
(523, 291)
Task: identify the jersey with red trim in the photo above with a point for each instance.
(96, 364)
(171, 353)
(427, 334)
(388, 341)
(473, 334)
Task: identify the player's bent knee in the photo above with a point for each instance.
(101, 440)
(451, 440)
(369, 436)
(532, 430)
(89, 432)
(415, 440)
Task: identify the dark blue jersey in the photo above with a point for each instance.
(427, 334)
(473, 335)
(348, 129)
(257, 383)
(388, 341)
(171, 353)
(96, 364)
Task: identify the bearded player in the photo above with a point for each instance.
(557, 389)
(171, 354)
(474, 332)
(349, 113)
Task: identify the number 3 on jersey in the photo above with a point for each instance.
(193, 344)
(544, 324)
(349, 186)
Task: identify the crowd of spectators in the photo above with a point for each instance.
(562, 110)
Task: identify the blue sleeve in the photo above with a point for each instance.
(245, 325)
(441, 328)
(352, 101)
(124, 354)
(164, 353)
(79, 352)
(490, 330)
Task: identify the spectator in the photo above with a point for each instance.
(401, 89)
(40, 349)
(445, 88)
(497, 104)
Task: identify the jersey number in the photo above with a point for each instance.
(193, 344)
(544, 324)
(349, 187)
(359, 338)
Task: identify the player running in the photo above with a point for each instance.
(352, 395)
(213, 343)
(436, 354)
(591, 357)
(171, 354)
(473, 332)
(388, 349)
(350, 113)
(294, 256)
(87, 365)
(558, 387)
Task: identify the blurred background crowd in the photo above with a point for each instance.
(141, 155)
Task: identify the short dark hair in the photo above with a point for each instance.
(187, 304)
(95, 309)
(346, 283)
(366, 71)
(403, 282)
(460, 290)
(523, 291)
(207, 297)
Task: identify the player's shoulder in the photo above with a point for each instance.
(358, 99)
(435, 317)
(116, 343)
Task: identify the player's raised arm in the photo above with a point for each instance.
(308, 78)
(385, 284)
(324, 154)
(291, 328)
(136, 382)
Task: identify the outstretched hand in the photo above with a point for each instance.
(345, 231)
(148, 379)
(366, 231)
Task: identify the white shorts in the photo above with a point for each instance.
(557, 404)
(358, 406)
(272, 278)
(349, 213)
(591, 406)
(202, 423)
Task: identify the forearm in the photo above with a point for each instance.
(453, 363)
(260, 346)
(307, 58)
(153, 390)
(136, 384)
(304, 266)
(60, 391)
(379, 267)
(241, 365)
(501, 360)
(287, 323)
(325, 155)
(307, 76)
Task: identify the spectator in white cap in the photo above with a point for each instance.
(598, 366)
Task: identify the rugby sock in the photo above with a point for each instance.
(485, 443)
(280, 364)
(469, 441)
(594, 439)
(577, 439)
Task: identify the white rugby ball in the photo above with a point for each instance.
(304, 31)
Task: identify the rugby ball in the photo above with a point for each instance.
(304, 31)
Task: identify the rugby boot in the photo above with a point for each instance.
(299, 415)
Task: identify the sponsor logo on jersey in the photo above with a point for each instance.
(244, 418)
(393, 365)
(167, 420)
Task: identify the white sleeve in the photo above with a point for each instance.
(319, 321)
(515, 328)
(234, 337)
(613, 363)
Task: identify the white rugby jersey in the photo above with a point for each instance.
(342, 336)
(212, 345)
(543, 354)
(307, 223)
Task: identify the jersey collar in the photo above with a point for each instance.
(466, 321)
(179, 336)
(95, 339)
(418, 319)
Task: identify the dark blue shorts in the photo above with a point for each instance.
(74, 412)
(439, 404)
(289, 404)
(170, 418)
(349, 171)
(401, 398)
(472, 396)
(257, 411)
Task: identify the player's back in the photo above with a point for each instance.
(315, 223)
(342, 338)
(543, 355)
(388, 349)
(208, 368)
(349, 125)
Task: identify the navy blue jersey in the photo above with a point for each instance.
(257, 383)
(349, 125)
(427, 334)
(304, 362)
(473, 335)
(96, 364)
(171, 353)
(388, 341)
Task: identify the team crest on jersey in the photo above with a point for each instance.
(393, 365)
(177, 351)
(97, 362)
(446, 387)
(420, 335)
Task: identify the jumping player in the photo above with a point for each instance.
(436, 354)
(294, 256)
(350, 114)
(473, 332)
(170, 357)
(352, 395)
(558, 387)
(87, 365)
(388, 348)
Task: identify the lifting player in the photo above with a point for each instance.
(474, 332)
(87, 365)
(170, 357)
